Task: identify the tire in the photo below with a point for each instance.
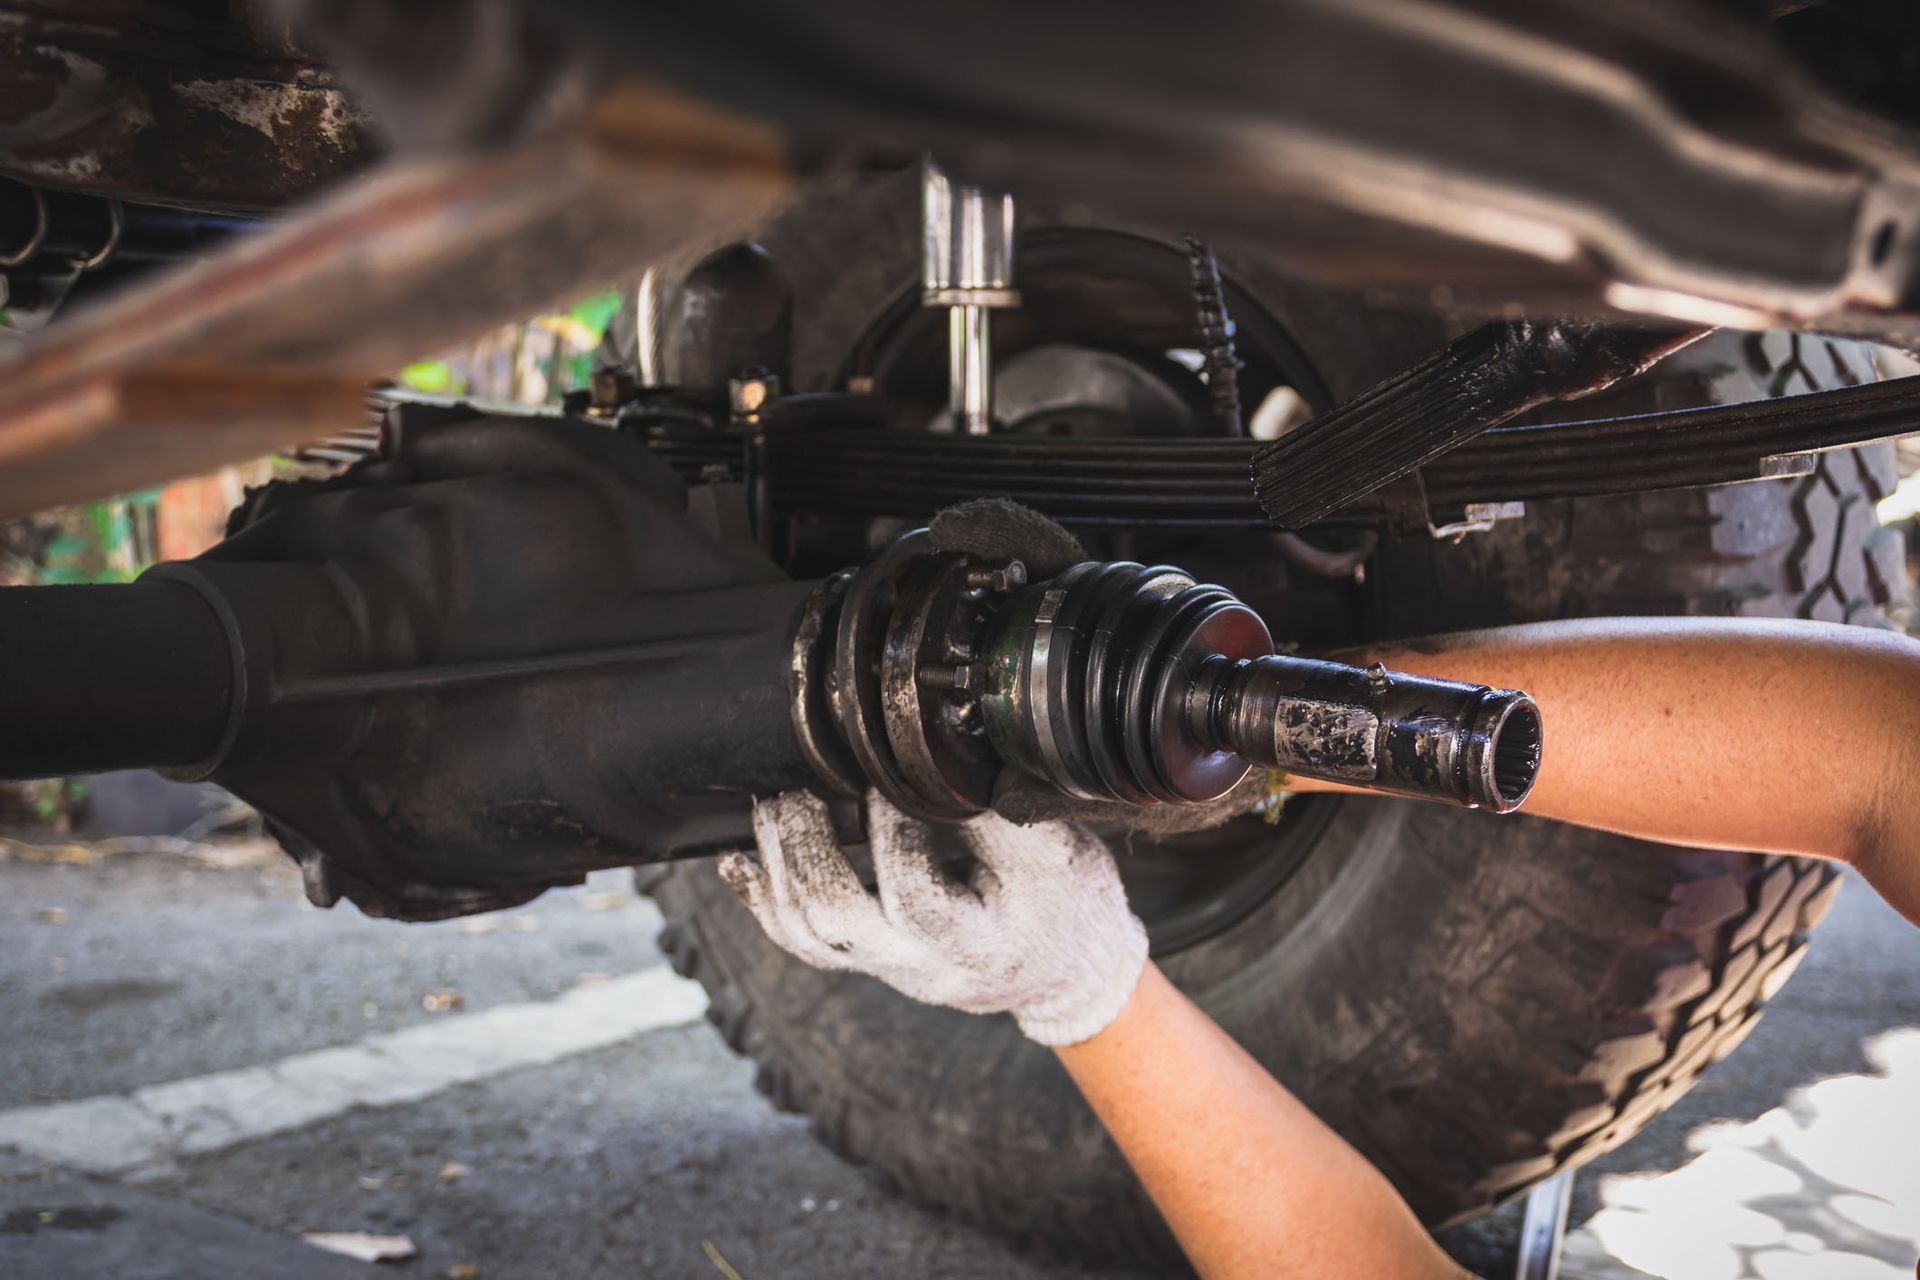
(1474, 1002)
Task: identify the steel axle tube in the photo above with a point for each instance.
(110, 677)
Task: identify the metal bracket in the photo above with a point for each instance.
(1408, 511)
(966, 267)
(1544, 1229)
(1476, 517)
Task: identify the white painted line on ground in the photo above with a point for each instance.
(116, 1133)
(1824, 1187)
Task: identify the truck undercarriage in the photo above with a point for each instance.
(1392, 317)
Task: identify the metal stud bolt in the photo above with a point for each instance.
(1010, 576)
(958, 679)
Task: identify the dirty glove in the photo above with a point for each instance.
(1043, 932)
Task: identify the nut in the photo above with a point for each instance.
(1010, 576)
(748, 394)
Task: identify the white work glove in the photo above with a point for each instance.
(1043, 933)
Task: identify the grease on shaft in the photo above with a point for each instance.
(1369, 727)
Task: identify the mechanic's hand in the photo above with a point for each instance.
(1043, 933)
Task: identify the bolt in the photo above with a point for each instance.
(608, 393)
(1010, 576)
(1377, 677)
(958, 679)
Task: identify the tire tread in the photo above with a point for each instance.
(1711, 937)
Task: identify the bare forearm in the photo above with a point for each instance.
(1251, 1182)
(1777, 736)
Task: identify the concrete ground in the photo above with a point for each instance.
(190, 1049)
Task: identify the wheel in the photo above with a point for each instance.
(1474, 1002)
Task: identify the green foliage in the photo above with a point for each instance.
(539, 360)
(597, 312)
(56, 802)
(110, 541)
(432, 378)
(591, 316)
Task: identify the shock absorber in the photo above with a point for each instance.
(927, 672)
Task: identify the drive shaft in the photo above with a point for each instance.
(1122, 682)
(928, 673)
(1411, 735)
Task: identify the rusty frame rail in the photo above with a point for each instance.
(276, 339)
